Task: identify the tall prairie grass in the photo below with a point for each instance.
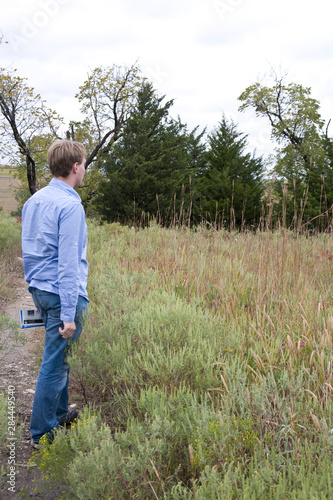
(205, 368)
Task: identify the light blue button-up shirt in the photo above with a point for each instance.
(54, 244)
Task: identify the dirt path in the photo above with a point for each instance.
(18, 371)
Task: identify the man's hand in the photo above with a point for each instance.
(68, 330)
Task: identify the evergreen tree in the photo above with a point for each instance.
(231, 184)
(148, 169)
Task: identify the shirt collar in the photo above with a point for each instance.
(65, 187)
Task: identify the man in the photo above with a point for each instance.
(54, 242)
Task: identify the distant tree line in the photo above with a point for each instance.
(158, 167)
(143, 163)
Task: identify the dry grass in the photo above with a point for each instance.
(7, 187)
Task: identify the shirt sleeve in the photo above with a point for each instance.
(71, 231)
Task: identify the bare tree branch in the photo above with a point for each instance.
(23, 117)
(107, 97)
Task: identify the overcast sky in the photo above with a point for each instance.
(201, 53)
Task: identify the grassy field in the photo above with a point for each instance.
(208, 358)
(205, 369)
(7, 186)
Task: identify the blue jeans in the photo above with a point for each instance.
(50, 404)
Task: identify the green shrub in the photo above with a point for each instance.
(273, 477)
(10, 249)
(11, 335)
(146, 340)
(10, 237)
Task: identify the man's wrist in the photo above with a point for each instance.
(66, 318)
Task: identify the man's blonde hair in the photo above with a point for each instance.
(62, 155)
